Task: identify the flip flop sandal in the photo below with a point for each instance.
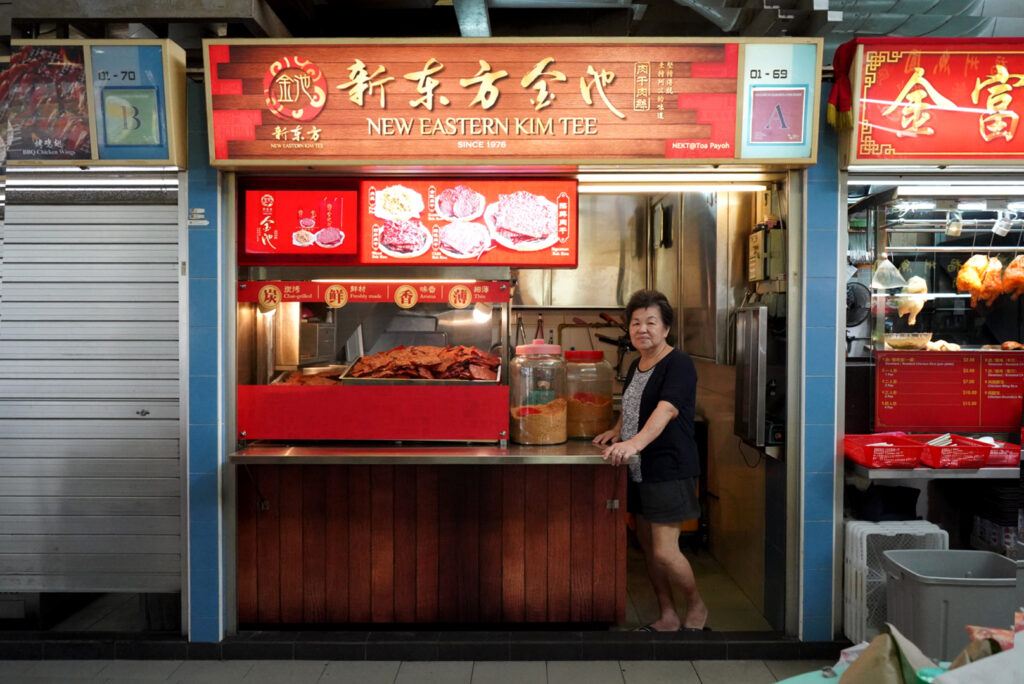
(645, 628)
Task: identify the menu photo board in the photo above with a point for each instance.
(450, 222)
(937, 101)
(101, 102)
(926, 391)
(301, 222)
(486, 101)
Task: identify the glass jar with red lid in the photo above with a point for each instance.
(537, 388)
(590, 382)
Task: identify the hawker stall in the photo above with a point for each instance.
(935, 323)
(400, 456)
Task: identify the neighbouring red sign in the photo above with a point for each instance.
(489, 102)
(949, 391)
(514, 222)
(338, 293)
(306, 222)
(940, 100)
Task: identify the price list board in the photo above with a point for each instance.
(970, 391)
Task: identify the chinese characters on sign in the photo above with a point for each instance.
(491, 102)
(959, 102)
(300, 222)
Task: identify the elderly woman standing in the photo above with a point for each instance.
(656, 423)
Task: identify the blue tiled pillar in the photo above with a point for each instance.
(821, 330)
(205, 424)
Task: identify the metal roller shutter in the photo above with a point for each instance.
(90, 382)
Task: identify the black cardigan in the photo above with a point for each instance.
(673, 454)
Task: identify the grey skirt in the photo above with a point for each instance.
(672, 501)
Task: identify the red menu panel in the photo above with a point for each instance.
(307, 222)
(517, 222)
(949, 391)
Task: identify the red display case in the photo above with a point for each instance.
(301, 341)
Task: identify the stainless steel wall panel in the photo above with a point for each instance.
(612, 258)
(80, 543)
(90, 384)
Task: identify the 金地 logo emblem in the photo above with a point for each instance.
(295, 89)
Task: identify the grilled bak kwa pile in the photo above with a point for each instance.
(428, 362)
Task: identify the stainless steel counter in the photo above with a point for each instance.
(571, 453)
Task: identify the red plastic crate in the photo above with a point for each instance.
(964, 452)
(1003, 454)
(904, 453)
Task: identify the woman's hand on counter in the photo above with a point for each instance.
(608, 436)
(619, 453)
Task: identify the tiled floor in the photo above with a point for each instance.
(396, 672)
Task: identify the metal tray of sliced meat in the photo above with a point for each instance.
(425, 365)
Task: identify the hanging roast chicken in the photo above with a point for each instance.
(911, 301)
(982, 278)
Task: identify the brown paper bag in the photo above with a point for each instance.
(890, 658)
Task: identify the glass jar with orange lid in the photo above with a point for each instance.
(590, 381)
(537, 388)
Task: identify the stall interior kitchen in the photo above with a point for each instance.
(363, 370)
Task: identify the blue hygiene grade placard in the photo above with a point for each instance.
(128, 93)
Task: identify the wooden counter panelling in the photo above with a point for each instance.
(430, 543)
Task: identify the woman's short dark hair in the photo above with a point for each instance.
(643, 299)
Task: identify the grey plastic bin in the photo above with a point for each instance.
(933, 594)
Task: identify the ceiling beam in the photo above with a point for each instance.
(474, 22)
(255, 15)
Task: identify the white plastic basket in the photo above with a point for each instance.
(864, 598)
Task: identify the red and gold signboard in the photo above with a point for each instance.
(517, 222)
(949, 391)
(337, 294)
(304, 222)
(940, 100)
(483, 101)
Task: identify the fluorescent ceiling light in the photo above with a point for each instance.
(1015, 206)
(647, 188)
(669, 178)
(980, 190)
(914, 206)
(977, 205)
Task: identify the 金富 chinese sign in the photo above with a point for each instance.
(948, 100)
(496, 102)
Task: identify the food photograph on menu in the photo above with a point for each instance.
(300, 222)
(511, 222)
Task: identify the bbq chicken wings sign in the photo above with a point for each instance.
(450, 222)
